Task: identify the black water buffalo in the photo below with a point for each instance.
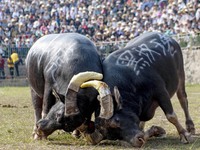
(51, 63)
(137, 79)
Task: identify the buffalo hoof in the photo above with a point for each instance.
(190, 127)
(186, 138)
(76, 134)
(154, 131)
(158, 131)
(38, 137)
(94, 138)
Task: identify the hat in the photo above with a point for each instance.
(119, 12)
(112, 37)
(127, 29)
(123, 24)
(41, 2)
(131, 36)
(144, 17)
(174, 3)
(134, 23)
(13, 20)
(133, 27)
(135, 19)
(53, 10)
(114, 19)
(119, 23)
(191, 10)
(122, 37)
(98, 33)
(77, 19)
(180, 1)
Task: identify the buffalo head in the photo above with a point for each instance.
(53, 121)
(117, 121)
(67, 116)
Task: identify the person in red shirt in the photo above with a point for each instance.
(2, 73)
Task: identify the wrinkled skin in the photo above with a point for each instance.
(51, 63)
(147, 73)
(53, 121)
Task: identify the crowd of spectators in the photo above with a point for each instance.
(22, 22)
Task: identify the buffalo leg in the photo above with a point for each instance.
(37, 105)
(154, 131)
(76, 134)
(182, 96)
(48, 100)
(141, 125)
(166, 105)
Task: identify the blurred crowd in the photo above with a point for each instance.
(22, 22)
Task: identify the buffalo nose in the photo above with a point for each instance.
(40, 124)
(138, 140)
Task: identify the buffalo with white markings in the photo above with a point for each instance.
(136, 80)
(51, 63)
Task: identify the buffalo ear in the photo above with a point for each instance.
(117, 98)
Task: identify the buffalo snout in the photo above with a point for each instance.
(45, 127)
(138, 140)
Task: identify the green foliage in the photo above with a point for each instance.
(197, 42)
(183, 43)
(17, 118)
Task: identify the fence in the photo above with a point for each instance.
(185, 41)
(22, 51)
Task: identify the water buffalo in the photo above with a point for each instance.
(51, 63)
(136, 80)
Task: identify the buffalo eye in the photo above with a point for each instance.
(117, 120)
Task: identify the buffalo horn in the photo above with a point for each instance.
(73, 88)
(105, 97)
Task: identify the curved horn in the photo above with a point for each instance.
(105, 97)
(73, 88)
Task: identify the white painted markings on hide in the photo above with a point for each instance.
(51, 54)
(166, 40)
(143, 55)
(57, 59)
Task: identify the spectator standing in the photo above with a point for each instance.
(2, 73)
(15, 58)
(10, 66)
